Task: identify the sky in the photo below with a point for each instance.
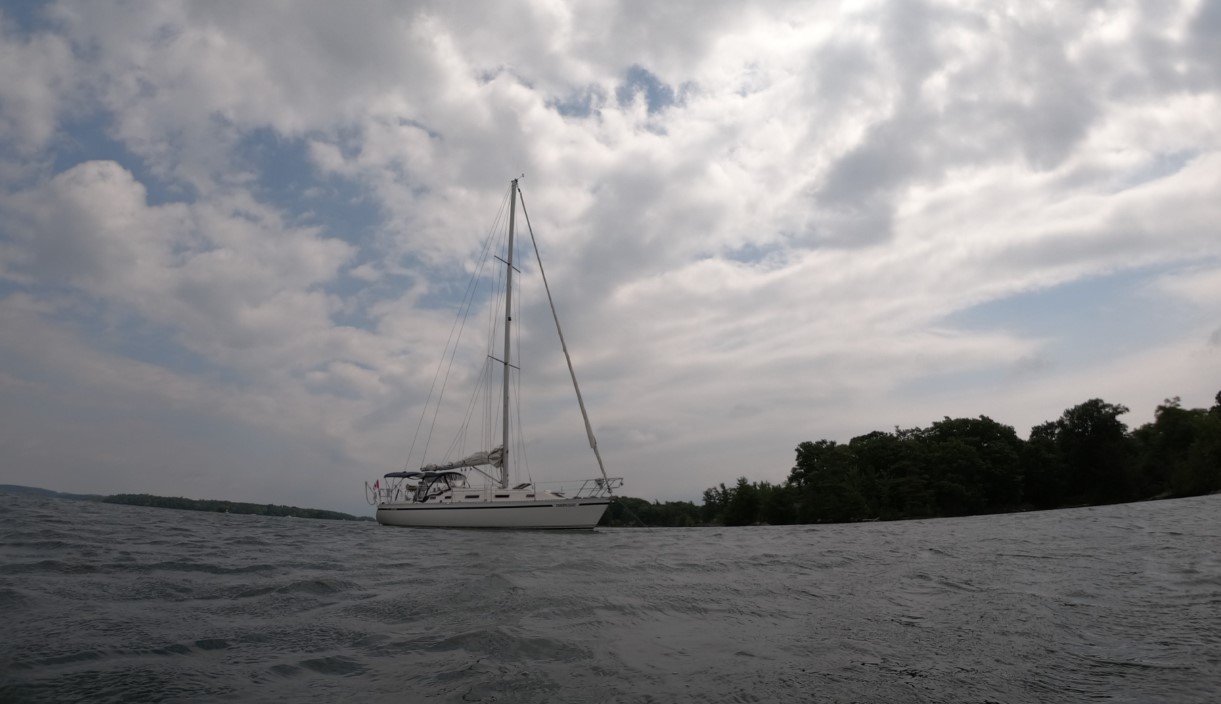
(233, 235)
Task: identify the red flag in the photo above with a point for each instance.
(375, 484)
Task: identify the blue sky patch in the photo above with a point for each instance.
(1086, 321)
(29, 16)
(751, 253)
(657, 95)
(579, 104)
(288, 181)
(125, 334)
(1160, 166)
(87, 139)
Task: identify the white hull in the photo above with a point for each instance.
(545, 513)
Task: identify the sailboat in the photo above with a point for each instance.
(474, 491)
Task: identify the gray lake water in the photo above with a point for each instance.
(115, 603)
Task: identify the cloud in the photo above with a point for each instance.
(224, 274)
(766, 223)
(37, 82)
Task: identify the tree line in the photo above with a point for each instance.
(226, 506)
(967, 466)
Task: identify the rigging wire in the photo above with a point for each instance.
(589, 430)
(455, 447)
(483, 384)
(459, 325)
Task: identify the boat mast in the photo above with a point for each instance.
(504, 462)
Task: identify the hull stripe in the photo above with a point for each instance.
(465, 507)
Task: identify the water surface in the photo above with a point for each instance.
(120, 603)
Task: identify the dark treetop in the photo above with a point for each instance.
(965, 466)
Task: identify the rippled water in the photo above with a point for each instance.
(118, 603)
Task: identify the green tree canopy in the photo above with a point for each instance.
(960, 466)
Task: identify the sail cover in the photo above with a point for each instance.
(494, 458)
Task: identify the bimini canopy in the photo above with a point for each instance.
(402, 475)
(439, 475)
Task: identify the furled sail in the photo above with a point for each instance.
(494, 458)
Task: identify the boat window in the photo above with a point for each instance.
(472, 496)
(529, 496)
(502, 496)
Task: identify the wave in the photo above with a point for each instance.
(1016, 608)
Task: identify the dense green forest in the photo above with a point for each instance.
(965, 466)
(226, 506)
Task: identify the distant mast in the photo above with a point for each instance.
(504, 466)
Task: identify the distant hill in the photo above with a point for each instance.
(186, 504)
(35, 491)
(226, 507)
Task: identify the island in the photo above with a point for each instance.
(218, 506)
(213, 505)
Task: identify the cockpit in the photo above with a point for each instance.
(433, 485)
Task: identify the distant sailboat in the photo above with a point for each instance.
(474, 491)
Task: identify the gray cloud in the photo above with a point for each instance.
(1205, 42)
(758, 217)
